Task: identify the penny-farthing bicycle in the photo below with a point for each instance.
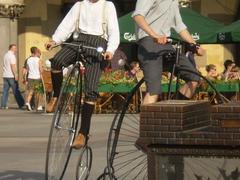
(127, 159)
(65, 123)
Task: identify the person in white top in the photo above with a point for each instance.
(10, 78)
(97, 23)
(34, 69)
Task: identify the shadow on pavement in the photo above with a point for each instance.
(20, 175)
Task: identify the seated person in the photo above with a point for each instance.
(134, 68)
(231, 71)
(212, 72)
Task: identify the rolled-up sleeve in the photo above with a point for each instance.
(178, 25)
(143, 7)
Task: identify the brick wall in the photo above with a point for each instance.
(173, 131)
(196, 126)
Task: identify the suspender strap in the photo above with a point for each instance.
(104, 19)
(77, 29)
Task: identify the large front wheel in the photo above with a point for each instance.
(63, 127)
(125, 159)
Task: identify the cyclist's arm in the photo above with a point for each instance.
(142, 23)
(186, 36)
(112, 28)
(142, 9)
(67, 26)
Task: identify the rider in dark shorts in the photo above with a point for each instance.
(153, 64)
(154, 21)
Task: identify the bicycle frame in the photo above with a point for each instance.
(177, 67)
(75, 114)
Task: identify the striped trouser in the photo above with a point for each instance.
(93, 67)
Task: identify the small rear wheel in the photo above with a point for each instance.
(84, 164)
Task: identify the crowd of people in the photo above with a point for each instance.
(231, 72)
(31, 78)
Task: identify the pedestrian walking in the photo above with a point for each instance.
(10, 78)
(34, 79)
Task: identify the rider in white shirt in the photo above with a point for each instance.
(97, 22)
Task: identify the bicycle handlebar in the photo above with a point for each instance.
(98, 49)
(190, 46)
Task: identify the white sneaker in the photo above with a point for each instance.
(28, 107)
(40, 108)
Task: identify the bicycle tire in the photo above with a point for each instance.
(84, 164)
(124, 159)
(64, 125)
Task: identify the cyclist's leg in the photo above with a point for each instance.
(188, 89)
(65, 57)
(91, 79)
(149, 55)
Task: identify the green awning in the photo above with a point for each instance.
(230, 33)
(127, 28)
(202, 28)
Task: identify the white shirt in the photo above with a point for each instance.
(91, 22)
(33, 68)
(8, 60)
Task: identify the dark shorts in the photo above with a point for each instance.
(150, 55)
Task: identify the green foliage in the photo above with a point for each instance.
(117, 77)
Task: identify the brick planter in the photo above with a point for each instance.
(226, 118)
(189, 129)
(175, 116)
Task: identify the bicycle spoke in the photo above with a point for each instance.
(127, 173)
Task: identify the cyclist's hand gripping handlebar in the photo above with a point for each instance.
(194, 48)
(51, 44)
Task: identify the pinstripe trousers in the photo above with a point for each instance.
(93, 67)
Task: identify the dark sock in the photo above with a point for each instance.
(180, 96)
(87, 111)
(57, 79)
